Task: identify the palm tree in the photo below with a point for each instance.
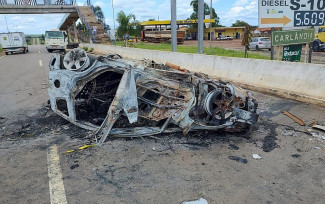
(99, 13)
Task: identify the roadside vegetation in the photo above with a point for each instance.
(193, 49)
(1, 50)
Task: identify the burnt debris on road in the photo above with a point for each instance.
(117, 97)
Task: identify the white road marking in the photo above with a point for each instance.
(40, 63)
(39, 51)
(57, 191)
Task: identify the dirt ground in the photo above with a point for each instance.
(172, 168)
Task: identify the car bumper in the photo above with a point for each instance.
(55, 47)
(17, 49)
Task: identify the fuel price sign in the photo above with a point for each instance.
(291, 13)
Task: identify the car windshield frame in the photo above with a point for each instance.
(54, 34)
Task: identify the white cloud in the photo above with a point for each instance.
(241, 10)
(30, 24)
(100, 3)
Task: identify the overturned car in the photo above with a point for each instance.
(122, 98)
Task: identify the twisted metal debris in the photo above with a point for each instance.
(121, 98)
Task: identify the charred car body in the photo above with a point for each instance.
(122, 98)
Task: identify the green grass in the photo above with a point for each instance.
(193, 49)
(1, 50)
(42, 41)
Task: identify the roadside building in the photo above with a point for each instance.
(235, 32)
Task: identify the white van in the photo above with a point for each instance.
(56, 40)
(13, 42)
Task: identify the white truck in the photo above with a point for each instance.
(13, 42)
(58, 40)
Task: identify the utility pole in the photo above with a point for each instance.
(114, 24)
(173, 25)
(210, 26)
(200, 26)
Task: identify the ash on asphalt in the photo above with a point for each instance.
(46, 122)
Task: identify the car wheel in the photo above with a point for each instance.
(315, 46)
(27, 50)
(257, 48)
(24, 51)
(247, 47)
(269, 49)
(50, 50)
(6, 53)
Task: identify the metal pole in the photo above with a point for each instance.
(210, 26)
(113, 23)
(272, 48)
(173, 25)
(6, 23)
(200, 26)
(310, 53)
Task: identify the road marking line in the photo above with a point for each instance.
(57, 191)
(40, 63)
(39, 52)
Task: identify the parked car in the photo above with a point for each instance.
(260, 43)
(229, 37)
(13, 42)
(221, 37)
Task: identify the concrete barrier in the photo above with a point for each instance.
(299, 81)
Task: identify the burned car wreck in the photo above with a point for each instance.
(116, 97)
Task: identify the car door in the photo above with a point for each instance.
(252, 44)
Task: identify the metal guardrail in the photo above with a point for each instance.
(37, 2)
(83, 19)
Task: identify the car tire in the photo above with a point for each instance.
(50, 50)
(27, 50)
(316, 46)
(247, 47)
(6, 53)
(24, 51)
(269, 49)
(257, 48)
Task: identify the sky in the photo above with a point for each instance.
(228, 11)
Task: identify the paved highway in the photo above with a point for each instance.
(34, 167)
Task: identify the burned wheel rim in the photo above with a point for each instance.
(76, 60)
(219, 104)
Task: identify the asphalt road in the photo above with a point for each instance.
(34, 167)
(23, 81)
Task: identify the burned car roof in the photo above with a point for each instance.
(122, 98)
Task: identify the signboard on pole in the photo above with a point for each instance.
(292, 53)
(291, 37)
(291, 13)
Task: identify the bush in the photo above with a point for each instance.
(91, 49)
(85, 48)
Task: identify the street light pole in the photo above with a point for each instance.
(200, 26)
(113, 23)
(210, 26)
(173, 25)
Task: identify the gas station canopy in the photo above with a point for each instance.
(178, 22)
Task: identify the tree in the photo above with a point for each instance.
(247, 38)
(151, 19)
(239, 23)
(127, 25)
(100, 16)
(194, 15)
